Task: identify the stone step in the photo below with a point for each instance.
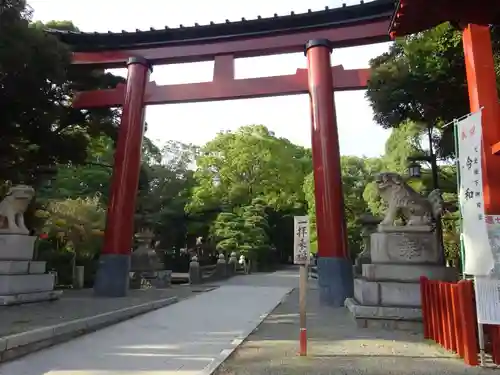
(21, 284)
(18, 299)
(400, 318)
(407, 273)
(20, 267)
(37, 267)
(16, 247)
(13, 267)
(387, 293)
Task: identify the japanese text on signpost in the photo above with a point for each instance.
(301, 246)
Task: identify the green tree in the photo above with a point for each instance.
(237, 166)
(356, 175)
(422, 80)
(228, 231)
(256, 246)
(244, 231)
(39, 126)
(165, 191)
(77, 224)
(84, 180)
(308, 188)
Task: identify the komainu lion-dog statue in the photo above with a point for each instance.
(403, 200)
(12, 209)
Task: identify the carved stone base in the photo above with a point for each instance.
(405, 247)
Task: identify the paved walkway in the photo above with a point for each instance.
(189, 337)
(80, 304)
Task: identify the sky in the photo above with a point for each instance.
(198, 123)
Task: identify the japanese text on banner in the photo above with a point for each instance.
(478, 256)
(301, 245)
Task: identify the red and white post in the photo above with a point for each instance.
(303, 309)
(301, 252)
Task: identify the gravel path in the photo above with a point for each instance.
(337, 347)
(76, 304)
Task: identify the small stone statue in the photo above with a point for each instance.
(402, 199)
(221, 259)
(13, 207)
(195, 276)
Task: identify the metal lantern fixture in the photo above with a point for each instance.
(414, 170)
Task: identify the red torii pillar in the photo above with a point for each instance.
(335, 278)
(112, 279)
(481, 82)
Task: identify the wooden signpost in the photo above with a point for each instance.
(301, 254)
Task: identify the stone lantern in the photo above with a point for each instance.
(369, 225)
(145, 262)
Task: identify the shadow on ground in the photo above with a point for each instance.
(336, 346)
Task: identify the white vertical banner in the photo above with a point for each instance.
(301, 243)
(478, 255)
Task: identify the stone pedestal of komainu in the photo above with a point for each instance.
(22, 279)
(12, 209)
(387, 294)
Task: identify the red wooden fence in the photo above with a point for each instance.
(449, 317)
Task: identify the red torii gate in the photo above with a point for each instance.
(316, 33)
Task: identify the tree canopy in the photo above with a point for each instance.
(39, 127)
(422, 80)
(237, 166)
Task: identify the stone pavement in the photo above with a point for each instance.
(336, 346)
(190, 337)
(78, 304)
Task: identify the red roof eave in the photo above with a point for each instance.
(413, 16)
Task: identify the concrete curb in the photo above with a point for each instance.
(23, 343)
(235, 344)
